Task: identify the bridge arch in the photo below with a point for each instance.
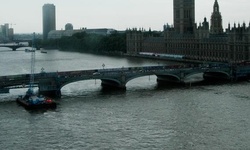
(113, 83)
(25, 47)
(216, 75)
(81, 87)
(6, 48)
(105, 81)
(168, 78)
(54, 87)
(137, 76)
(60, 86)
(13, 47)
(193, 73)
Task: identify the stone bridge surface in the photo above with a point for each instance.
(50, 83)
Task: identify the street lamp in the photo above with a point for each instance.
(103, 65)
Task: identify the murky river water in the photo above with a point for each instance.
(144, 116)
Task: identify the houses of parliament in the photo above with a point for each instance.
(204, 42)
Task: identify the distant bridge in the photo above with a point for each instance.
(14, 47)
(50, 83)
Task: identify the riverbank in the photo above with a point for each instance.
(121, 54)
(164, 58)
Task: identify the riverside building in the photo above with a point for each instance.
(200, 42)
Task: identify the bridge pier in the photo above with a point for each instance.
(49, 88)
(169, 78)
(169, 82)
(109, 84)
(52, 93)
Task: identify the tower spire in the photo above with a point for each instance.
(216, 6)
(216, 20)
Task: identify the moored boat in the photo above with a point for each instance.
(43, 51)
(32, 101)
(29, 50)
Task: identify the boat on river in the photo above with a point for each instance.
(29, 50)
(43, 51)
(33, 101)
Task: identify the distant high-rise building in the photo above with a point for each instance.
(184, 16)
(6, 30)
(49, 19)
(11, 34)
(5, 33)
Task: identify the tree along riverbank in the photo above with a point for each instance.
(91, 43)
(113, 44)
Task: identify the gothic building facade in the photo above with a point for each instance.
(200, 42)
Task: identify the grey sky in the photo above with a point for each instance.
(117, 14)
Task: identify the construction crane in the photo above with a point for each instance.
(12, 24)
(31, 100)
(32, 63)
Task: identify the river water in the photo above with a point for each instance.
(145, 116)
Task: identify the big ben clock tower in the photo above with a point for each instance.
(184, 16)
(216, 20)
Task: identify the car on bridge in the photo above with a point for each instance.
(96, 73)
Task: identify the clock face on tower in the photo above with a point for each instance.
(216, 9)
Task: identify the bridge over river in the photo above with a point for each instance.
(14, 47)
(50, 83)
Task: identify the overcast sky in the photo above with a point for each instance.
(26, 15)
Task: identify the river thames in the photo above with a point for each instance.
(145, 116)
